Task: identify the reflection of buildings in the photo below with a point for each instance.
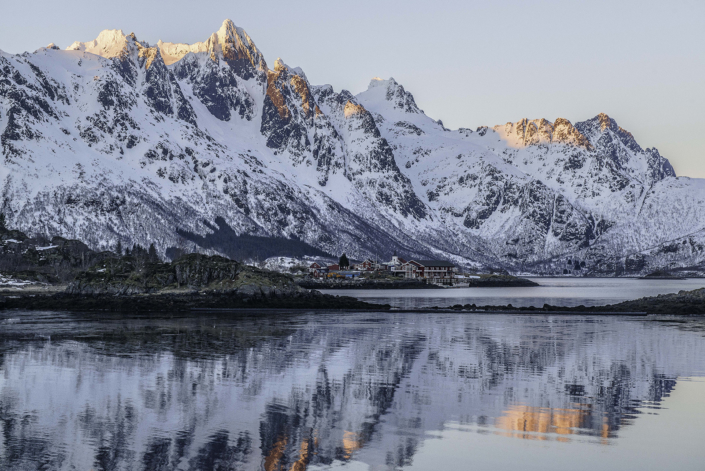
(538, 423)
(321, 389)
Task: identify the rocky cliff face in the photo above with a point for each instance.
(115, 139)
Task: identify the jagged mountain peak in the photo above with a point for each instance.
(109, 43)
(53, 46)
(279, 66)
(600, 124)
(389, 90)
(605, 121)
(230, 43)
(565, 132)
(526, 132)
(379, 82)
(229, 29)
(114, 43)
(594, 130)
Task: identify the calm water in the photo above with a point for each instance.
(373, 391)
(554, 291)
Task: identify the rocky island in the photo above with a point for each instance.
(496, 281)
(662, 275)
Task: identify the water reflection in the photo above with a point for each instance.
(305, 391)
(537, 423)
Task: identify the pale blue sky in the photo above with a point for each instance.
(468, 63)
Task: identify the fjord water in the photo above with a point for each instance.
(352, 391)
(554, 291)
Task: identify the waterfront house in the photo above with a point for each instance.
(395, 265)
(316, 270)
(367, 265)
(437, 271)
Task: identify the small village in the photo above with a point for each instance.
(433, 271)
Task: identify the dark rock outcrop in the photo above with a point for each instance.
(130, 275)
(493, 281)
(39, 259)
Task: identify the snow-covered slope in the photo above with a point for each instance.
(115, 139)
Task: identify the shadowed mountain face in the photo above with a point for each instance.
(115, 139)
(303, 391)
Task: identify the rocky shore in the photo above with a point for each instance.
(662, 275)
(499, 281)
(186, 301)
(364, 283)
(681, 303)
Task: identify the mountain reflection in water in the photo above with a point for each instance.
(302, 391)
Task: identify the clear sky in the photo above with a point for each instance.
(469, 63)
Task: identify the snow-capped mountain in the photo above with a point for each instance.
(116, 139)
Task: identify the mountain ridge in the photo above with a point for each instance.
(130, 146)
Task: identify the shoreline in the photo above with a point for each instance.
(518, 311)
(182, 302)
(368, 284)
(478, 281)
(226, 303)
(260, 298)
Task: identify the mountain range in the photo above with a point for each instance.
(195, 146)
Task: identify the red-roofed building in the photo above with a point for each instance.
(316, 270)
(367, 265)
